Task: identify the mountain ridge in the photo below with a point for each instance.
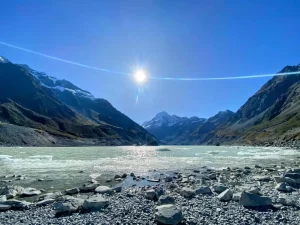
(63, 110)
(269, 117)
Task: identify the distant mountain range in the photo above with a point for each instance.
(270, 117)
(37, 109)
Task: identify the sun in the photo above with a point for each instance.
(140, 76)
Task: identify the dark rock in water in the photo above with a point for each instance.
(153, 180)
(258, 166)
(72, 191)
(253, 200)
(81, 171)
(163, 150)
(124, 175)
(132, 174)
(196, 171)
(168, 214)
(117, 188)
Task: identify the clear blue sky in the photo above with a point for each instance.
(187, 38)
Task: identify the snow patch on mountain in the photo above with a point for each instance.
(51, 82)
(3, 60)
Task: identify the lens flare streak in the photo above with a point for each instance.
(150, 77)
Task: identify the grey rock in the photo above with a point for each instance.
(253, 200)
(28, 192)
(16, 204)
(262, 178)
(69, 204)
(168, 179)
(45, 202)
(236, 196)
(104, 190)
(187, 192)
(283, 187)
(153, 180)
(88, 188)
(203, 190)
(4, 207)
(286, 200)
(219, 188)
(225, 195)
(3, 198)
(95, 203)
(72, 191)
(54, 195)
(65, 207)
(294, 176)
(150, 194)
(117, 176)
(168, 214)
(165, 199)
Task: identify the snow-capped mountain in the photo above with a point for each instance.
(162, 119)
(182, 130)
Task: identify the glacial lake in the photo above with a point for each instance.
(60, 166)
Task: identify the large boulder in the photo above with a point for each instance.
(165, 199)
(187, 192)
(104, 190)
(225, 195)
(202, 190)
(168, 214)
(95, 203)
(253, 200)
(11, 191)
(28, 192)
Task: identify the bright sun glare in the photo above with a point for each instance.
(140, 76)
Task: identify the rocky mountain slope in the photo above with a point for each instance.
(68, 114)
(270, 117)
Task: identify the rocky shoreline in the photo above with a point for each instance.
(257, 195)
